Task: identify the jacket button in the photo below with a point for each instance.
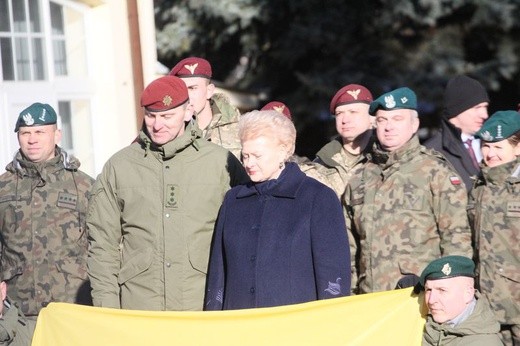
(253, 258)
(252, 290)
(168, 264)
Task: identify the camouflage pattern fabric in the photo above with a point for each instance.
(336, 166)
(494, 214)
(405, 208)
(223, 128)
(43, 233)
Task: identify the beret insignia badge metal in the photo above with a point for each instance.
(28, 119)
(167, 100)
(446, 269)
(354, 93)
(389, 101)
(279, 109)
(192, 68)
(486, 136)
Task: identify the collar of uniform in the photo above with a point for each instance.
(172, 148)
(32, 169)
(404, 154)
(330, 149)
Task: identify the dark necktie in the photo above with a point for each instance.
(472, 153)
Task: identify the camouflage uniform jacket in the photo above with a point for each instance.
(151, 220)
(15, 328)
(42, 225)
(406, 208)
(223, 128)
(479, 329)
(494, 213)
(330, 165)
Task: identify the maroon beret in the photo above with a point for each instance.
(192, 67)
(278, 106)
(352, 93)
(164, 93)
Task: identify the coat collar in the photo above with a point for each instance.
(286, 186)
(61, 160)
(172, 148)
(335, 146)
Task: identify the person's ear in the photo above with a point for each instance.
(57, 136)
(210, 91)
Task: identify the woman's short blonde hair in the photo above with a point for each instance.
(270, 124)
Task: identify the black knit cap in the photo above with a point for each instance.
(462, 93)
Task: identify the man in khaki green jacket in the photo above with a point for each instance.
(154, 206)
(457, 313)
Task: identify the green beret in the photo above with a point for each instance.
(395, 99)
(499, 126)
(448, 267)
(37, 114)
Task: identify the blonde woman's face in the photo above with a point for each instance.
(262, 158)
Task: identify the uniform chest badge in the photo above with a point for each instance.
(513, 209)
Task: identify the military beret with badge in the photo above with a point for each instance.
(278, 106)
(352, 93)
(501, 125)
(401, 98)
(37, 114)
(164, 93)
(447, 267)
(192, 67)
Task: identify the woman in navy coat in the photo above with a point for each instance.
(280, 239)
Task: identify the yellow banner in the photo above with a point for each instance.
(384, 318)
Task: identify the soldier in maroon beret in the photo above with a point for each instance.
(154, 206)
(215, 116)
(337, 159)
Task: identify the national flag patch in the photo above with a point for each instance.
(455, 180)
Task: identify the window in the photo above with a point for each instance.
(35, 48)
(65, 113)
(58, 40)
(22, 40)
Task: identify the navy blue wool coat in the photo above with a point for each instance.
(278, 242)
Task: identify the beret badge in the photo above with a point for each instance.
(446, 269)
(486, 136)
(28, 119)
(354, 93)
(192, 67)
(167, 100)
(389, 101)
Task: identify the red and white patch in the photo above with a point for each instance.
(455, 180)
